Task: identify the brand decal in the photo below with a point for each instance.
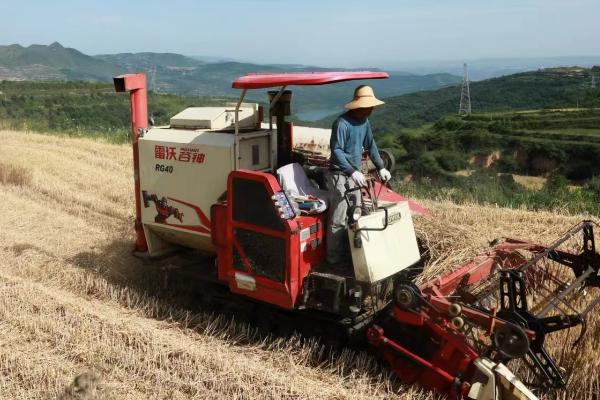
(164, 168)
(183, 154)
(164, 210)
(393, 218)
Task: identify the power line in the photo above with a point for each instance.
(465, 94)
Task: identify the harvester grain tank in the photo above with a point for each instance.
(249, 198)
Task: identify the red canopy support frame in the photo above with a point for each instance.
(283, 80)
(267, 80)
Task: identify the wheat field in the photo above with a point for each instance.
(80, 318)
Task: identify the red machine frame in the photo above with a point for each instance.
(135, 84)
(450, 366)
(298, 263)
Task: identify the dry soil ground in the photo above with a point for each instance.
(75, 303)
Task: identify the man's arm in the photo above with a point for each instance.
(370, 145)
(339, 135)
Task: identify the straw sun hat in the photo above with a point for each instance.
(364, 98)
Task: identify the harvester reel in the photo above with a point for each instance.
(514, 308)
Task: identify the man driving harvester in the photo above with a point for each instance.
(350, 134)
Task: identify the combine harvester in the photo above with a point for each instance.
(248, 198)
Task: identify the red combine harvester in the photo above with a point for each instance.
(248, 197)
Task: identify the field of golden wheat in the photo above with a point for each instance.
(75, 303)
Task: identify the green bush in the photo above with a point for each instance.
(451, 160)
(449, 123)
(593, 187)
(556, 184)
(484, 187)
(499, 128)
(81, 108)
(426, 165)
(507, 164)
(391, 143)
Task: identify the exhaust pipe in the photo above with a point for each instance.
(135, 84)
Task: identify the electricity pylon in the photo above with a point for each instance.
(465, 94)
(153, 79)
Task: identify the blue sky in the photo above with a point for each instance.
(333, 33)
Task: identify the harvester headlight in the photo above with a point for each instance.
(355, 213)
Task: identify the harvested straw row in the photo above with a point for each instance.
(74, 300)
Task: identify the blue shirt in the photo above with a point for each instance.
(349, 137)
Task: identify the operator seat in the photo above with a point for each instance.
(293, 180)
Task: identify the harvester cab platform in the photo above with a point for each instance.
(248, 197)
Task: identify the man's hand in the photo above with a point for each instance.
(359, 178)
(385, 174)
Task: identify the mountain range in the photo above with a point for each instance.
(411, 97)
(485, 68)
(52, 62)
(193, 76)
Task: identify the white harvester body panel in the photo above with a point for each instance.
(183, 172)
(494, 381)
(215, 118)
(383, 253)
(315, 141)
(312, 139)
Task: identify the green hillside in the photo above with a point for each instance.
(483, 157)
(539, 143)
(52, 62)
(529, 90)
(553, 144)
(148, 60)
(551, 88)
(82, 108)
(544, 124)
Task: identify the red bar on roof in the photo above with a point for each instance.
(265, 80)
